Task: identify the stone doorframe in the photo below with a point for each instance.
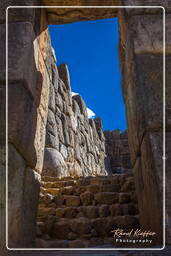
(141, 62)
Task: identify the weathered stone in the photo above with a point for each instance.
(20, 49)
(93, 188)
(60, 212)
(87, 198)
(106, 197)
(100, 226)
(19, 220)
(54, 164)
(81, 104)
(150, 165)
(110, 188)
(61, 230)
(141, 26)
(104, 211)
(81, 226)
(70, 212)
(124, 198)
(72, 200)
(61, 16)
(46, 212)
(51, 123)
(18, 14)
(116, 210)
(91, 211)
(64, 75)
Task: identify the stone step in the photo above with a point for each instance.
(87, 180)
(94, 242)
(82, 227)
(93, 185)
(54, 196)
(89, 211)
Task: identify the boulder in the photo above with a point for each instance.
(54, 164)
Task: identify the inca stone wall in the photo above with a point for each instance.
(74, 143)
(141, 51)
(28, 95)
(117, 151)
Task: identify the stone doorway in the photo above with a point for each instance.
(143, 142)
(87, 187)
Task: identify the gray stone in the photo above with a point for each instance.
(64, 75)
(23, 185)
(54, 164)
(81, 104)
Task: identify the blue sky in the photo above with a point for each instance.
(90, 49)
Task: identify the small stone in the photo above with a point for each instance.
(93, 188)
(106, 197)
(87, 198)
(124, 198)
(110, 188)
(81, 225)
(116, 210)
(70, 212)
(104, 211)
(72, 200)
(91, 211)
(60, 212)
(61, 230)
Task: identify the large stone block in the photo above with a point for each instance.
(157, 6)
(22, 122)
(20, 55)
(23, 194)
(147, 34)
(148, 173)
(144, 99)
(65, 15)
(17, 14)
(81, 225)
(54, 164)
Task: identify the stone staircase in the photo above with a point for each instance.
(82, 212)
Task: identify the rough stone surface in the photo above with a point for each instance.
(24, 184)
(80, 215)
(117, 152)
(70, 134)
(67, 15)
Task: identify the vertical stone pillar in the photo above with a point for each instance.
(28, 93)
(141, 61)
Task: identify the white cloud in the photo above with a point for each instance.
(90, 113)
(74, 93)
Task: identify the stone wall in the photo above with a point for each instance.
(82, 212)
(28, 95)
(117, 158)
(141, 61)
(74, 143)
